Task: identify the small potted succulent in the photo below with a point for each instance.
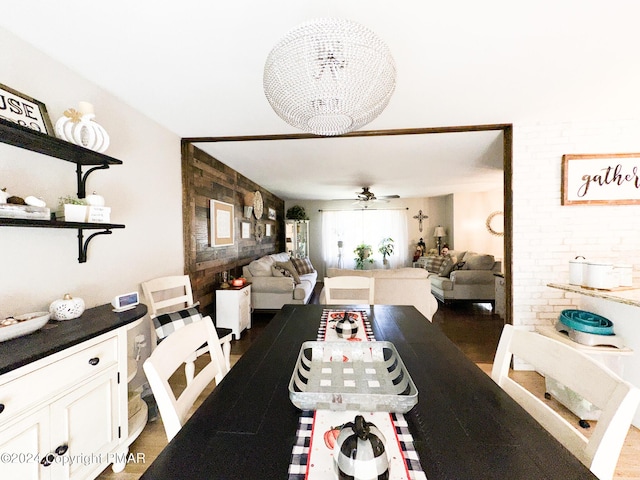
(73, 209)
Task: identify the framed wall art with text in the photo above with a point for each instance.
(601, 179)
(24, 110)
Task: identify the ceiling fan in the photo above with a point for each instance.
(367, 196)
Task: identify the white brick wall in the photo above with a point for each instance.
(546, 235)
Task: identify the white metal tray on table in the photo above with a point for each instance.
(344, 375)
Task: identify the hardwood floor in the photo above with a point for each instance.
(472, 327)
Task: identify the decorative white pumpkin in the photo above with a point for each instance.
(4, 195)
(80, 129)
(95, 200)
(67, 308)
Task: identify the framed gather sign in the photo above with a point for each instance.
(222, 221)
(24, 110)
(601, 179)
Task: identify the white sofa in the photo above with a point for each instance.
(270, 290)
(399, 286)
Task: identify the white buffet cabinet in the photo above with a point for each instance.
(64, 415)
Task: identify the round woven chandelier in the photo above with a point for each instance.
(329, 76)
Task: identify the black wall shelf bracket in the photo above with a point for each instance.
(82, 179)
(83, 245)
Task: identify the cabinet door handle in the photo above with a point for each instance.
(1, 407)
(94, 361)
(62, 449)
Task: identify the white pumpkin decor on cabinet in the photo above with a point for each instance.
(79, 127)
(66, 308)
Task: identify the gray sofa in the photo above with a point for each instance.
(275, 281)
(462, 275)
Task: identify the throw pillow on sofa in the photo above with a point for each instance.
(261, 267)
(447, 266)
(291, 269)
(478, 262)
(303, 265)
(277, 271)
(433, 263)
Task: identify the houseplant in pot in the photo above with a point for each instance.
(73, 209)
(386, 249)
(363, 254)
(297, 213)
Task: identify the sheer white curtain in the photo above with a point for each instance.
(353, 227)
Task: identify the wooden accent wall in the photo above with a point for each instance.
(205, 178)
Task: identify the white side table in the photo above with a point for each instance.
(233, 308)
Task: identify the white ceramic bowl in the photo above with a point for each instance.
(28, 323)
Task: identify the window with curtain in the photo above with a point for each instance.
(353, 227)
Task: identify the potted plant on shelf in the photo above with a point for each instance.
(73, 209)
(297, 213)
(386, 249)
(363, 252)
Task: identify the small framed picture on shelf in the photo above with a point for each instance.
(272, 214)
(23, 110)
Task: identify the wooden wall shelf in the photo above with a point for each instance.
(627, 295)
(22, 137)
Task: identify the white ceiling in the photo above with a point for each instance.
(195, 67)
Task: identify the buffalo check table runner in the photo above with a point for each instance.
(312, 460)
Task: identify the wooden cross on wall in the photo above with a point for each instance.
(420, 217)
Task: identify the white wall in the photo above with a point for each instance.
(145, 193)
(470, 216)
(546, 235)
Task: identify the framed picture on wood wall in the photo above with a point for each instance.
(222, 223)
(601, 179)
(24, 110)
(246, 230)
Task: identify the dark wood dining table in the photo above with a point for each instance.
(464, 426)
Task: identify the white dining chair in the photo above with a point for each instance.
(617, 399)
(170, 298)
(348, 290)
(169, 355)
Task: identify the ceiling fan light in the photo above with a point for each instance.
(329, 76)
